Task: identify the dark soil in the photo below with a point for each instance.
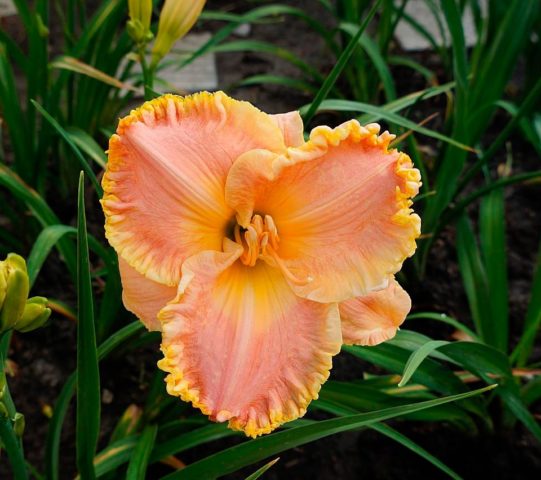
(43, 360)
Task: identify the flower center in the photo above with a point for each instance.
(259, 238)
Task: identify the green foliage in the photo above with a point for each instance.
(88, 377)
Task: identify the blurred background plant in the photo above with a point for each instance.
(82, 65)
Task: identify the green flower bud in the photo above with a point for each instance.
(139, 24)
(3, 410)
(15, 290)
(35, 314)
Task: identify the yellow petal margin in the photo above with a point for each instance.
(341, 203)
(374, 318)
(241, 347)
(165, 179)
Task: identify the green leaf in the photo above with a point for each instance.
(70, 63)
(533, 318)
(13, 449)
(493, 250)
(380, 112)
(430, 373)
(483, 360)
(290, 83)
(62, 402)
(191, 439)
(271, 49)
(518, 115)
(258, 14)
(234, 458)
(115, 455)
(499, 58)
(45, 242)
(40, 210)
(372, 51)
(88, 145)
(139, 460)
(15, 120)
(262, 470)
(83, 163)
(474, 279)
(441, 317)
(121, 451)
(338, 409)
(88, 375)
(402, 102)
(338, 66)
(365, 398)
(417, 358)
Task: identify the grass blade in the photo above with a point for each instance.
(231, 459)
(60, 130)
(62, 403)
(48, 238)
(441, 317)
(15, 119)
(262, 470)
(43, 245)
(493, 250)
(533, 318)
(339, 66)
(483, 360)
(417, 358)
(380, 63)
(474, 279)
(88, 145)
(72, 64)
(88, 375)
(139, 461)
(40, 210)
(13, 449)
(385, 114)
(393, 434)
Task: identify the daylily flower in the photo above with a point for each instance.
(256, 254)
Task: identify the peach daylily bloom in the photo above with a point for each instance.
(255, 253)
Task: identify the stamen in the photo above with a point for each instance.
(287, 273)
(252, 252)
(257, 222)
(261, 238)
(270, 226)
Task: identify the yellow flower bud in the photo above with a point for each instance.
(176, 19)
(14, 286)
(139, 24)
(35, 314)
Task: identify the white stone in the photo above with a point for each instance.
(199, 75)
(419, 10)
(7, 8)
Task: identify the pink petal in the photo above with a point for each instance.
(341, 205)
(164, 184)
(242, 347)
(144, 297)
(375, 317)
(292, 127)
